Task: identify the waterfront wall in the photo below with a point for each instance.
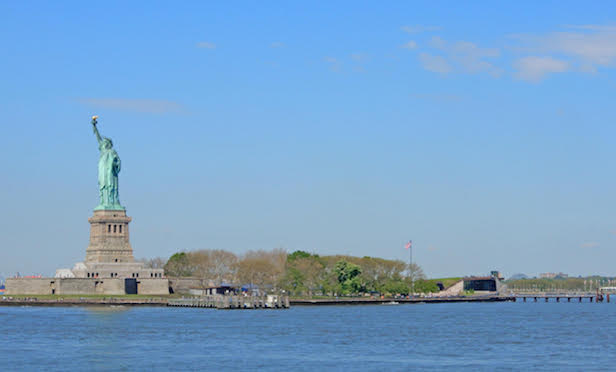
(85, 286)
(153, 286)
(28, 286)
(184, 284)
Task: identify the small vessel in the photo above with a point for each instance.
(391, 303)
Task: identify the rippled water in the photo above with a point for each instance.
(460, 336)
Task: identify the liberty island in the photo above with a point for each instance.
(109, 267)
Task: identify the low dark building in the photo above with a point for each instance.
(481, 284)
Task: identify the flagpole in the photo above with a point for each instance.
(411, 268)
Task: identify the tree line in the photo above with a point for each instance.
(298, 273)
(590, 283)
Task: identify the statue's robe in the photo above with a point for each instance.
(108, 169)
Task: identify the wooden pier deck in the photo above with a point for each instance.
(546, 297)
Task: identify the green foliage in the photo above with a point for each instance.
(178, 265)
(348, 277)
(293, 281)
(299, 254)
(304, 274)
(301, 273)
(393, 287)
(426, 286)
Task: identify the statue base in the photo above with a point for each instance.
(109, 237)
(110, 254)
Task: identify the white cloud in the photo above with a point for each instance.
(206, 45)
(589, 47)
(359, 57)
(410, 45)
(434, 63)
(535, 68)
(466, 56)
(150, 106)
(599, 48)
(437, 42)
(330, 59)
(334, 64)
(419, 28)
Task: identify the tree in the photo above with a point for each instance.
(304, 273)
(348, 277)
(178, 265)
(262, 268)
(299, 254)
(153, 263)
(299, 272)
(223, 265)
(396, 287)
(415, 272)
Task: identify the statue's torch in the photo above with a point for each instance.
(94, 119)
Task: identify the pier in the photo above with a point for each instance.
(557, 298)
(233, 302)
(602, 294)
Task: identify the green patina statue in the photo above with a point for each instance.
(108, 170)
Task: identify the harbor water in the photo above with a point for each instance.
(457, 336)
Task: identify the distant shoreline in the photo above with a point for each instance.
(163, 301)
(386, 301)
(85, 301)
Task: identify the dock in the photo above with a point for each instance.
(233, 302)
(562, 297)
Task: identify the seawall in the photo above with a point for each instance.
(85, 301)
(163, 301)
(376, 301)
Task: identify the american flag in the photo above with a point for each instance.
(408, 245)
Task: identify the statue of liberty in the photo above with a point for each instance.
(108, 170)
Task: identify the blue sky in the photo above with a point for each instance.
(483, 132)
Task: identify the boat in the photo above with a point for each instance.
(391, 303)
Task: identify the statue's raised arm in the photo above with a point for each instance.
(98, 136)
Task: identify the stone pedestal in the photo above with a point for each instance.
(109, 254)
(109, 238)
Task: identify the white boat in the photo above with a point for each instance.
(390, 303)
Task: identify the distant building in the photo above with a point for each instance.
(223, 288)
(479, 285)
